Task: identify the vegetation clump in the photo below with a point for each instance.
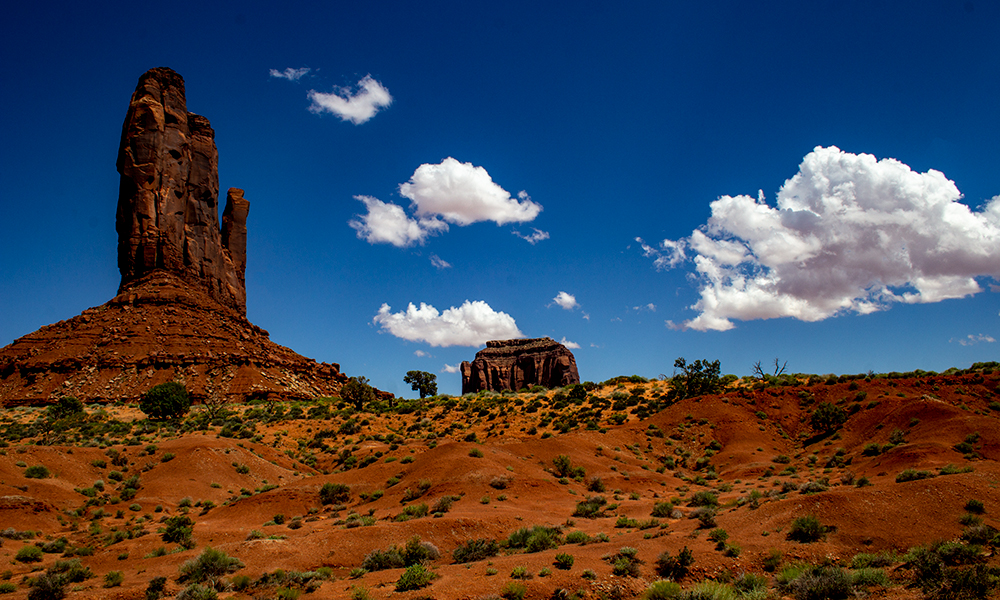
(165, 401)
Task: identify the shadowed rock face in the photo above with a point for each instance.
(168, 216)
(516, 364)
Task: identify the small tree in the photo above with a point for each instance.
(827, 417)
(423, 382)
(357, 392)
(165, 401)
(696, 379)
(65, 407)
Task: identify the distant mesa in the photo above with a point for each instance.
(517, 364)
(180, 312)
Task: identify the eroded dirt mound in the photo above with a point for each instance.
(897, 473)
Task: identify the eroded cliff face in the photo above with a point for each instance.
(516, 364)
(168, 215)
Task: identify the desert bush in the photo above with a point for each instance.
(7, 587)
(520, 572)
(625, 562)
(334, 493)
(806, 529)
(65, 407)
(864, 560)
(827, 418)
(705, 516)
(414, 578)
(563, 467)
(913, 475)
(591, 508)
(72, 571)
(704, 498)
(474, 550)
(444, 503)
(113, 579)
(975, 506)
(696, 379)
(378, 560)
(29, 554)
(595, 484)
(156, 588)
(869, 577)
(662, 510)
(36, 472)
(178, 529)
(750, 584)
(534, 539)
(47, 586)
(197, 591)
(564, 561)
(165, 401)
(209, 566)
(822, 583)
(662, 590)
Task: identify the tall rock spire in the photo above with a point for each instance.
(168, 216)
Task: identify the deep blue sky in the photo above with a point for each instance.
(622, 121)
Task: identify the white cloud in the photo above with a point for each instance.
(850, 233)
(387, 223)
(355, 106)
(420, 353)
(462, 194)
(291, 74)
(451, 368)
(471, 324)
(536, 236)
(972, 340)
(569, 344)
(439, 263)
(567, 301)
(650, 307)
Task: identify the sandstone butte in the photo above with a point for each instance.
(517, 364)
(180, 311)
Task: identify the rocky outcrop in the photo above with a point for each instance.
(517, 364)
(180, 313)
(168, 215)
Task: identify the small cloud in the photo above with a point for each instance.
(420, 353)
(650, 307)
(972, 340)
(387, 223)
(593, 345)
(451, 368)
(356, 106)
(463, 194)
(471, 324)
(566, 301)
(290, 74)
(569, 344)
(535, 237)
(439, 263)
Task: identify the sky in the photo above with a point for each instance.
(817, 182)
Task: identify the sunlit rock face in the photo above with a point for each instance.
(517, 364)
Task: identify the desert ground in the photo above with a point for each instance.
(591, 492)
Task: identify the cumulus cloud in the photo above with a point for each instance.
(566, 301)
(463, 194)
(387, 223)
(420, 353)
(971, 340)
(291, 74)
(449, 192)
(850, 233)
(451, 368)
(354, 105)
(569, 344)
(471, 324)
(533, 238)
(439, 263)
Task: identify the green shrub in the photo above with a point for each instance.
(29, 554)
(564, 561)
(704, 498)
(156, 588)
(165, 401)
(334, 493)
(869, 577)
(378, 560)
(474, 550)
(47, 586)
(7, 588)
(576, 537)
(750, 584)
(822, 583)
(709, 590)
(414, 578)
(178, 529)
(36, 472)
(975, 506)
(662, 590)
(534, 539)
(806, 529)
(827, 418)
(625, 562)
(520, 572)
(513, 591)
(113, 579)
(197, 591)
(591, 508)
(913, 475)
(563, 467)
(209, 566)
(662, 509)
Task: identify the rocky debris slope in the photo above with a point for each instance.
(517, 364)
(168, 215)
(180, 313)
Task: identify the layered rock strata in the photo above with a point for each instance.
(517, 364)
(168, 213)
(180, 312)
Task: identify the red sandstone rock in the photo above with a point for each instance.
(168, 216)
(517, 364)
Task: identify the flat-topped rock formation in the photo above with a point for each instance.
(180, 312)
(517, 364)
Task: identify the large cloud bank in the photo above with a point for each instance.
(449, 192)
(471, 324)
(850, 234)
(356, 106)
